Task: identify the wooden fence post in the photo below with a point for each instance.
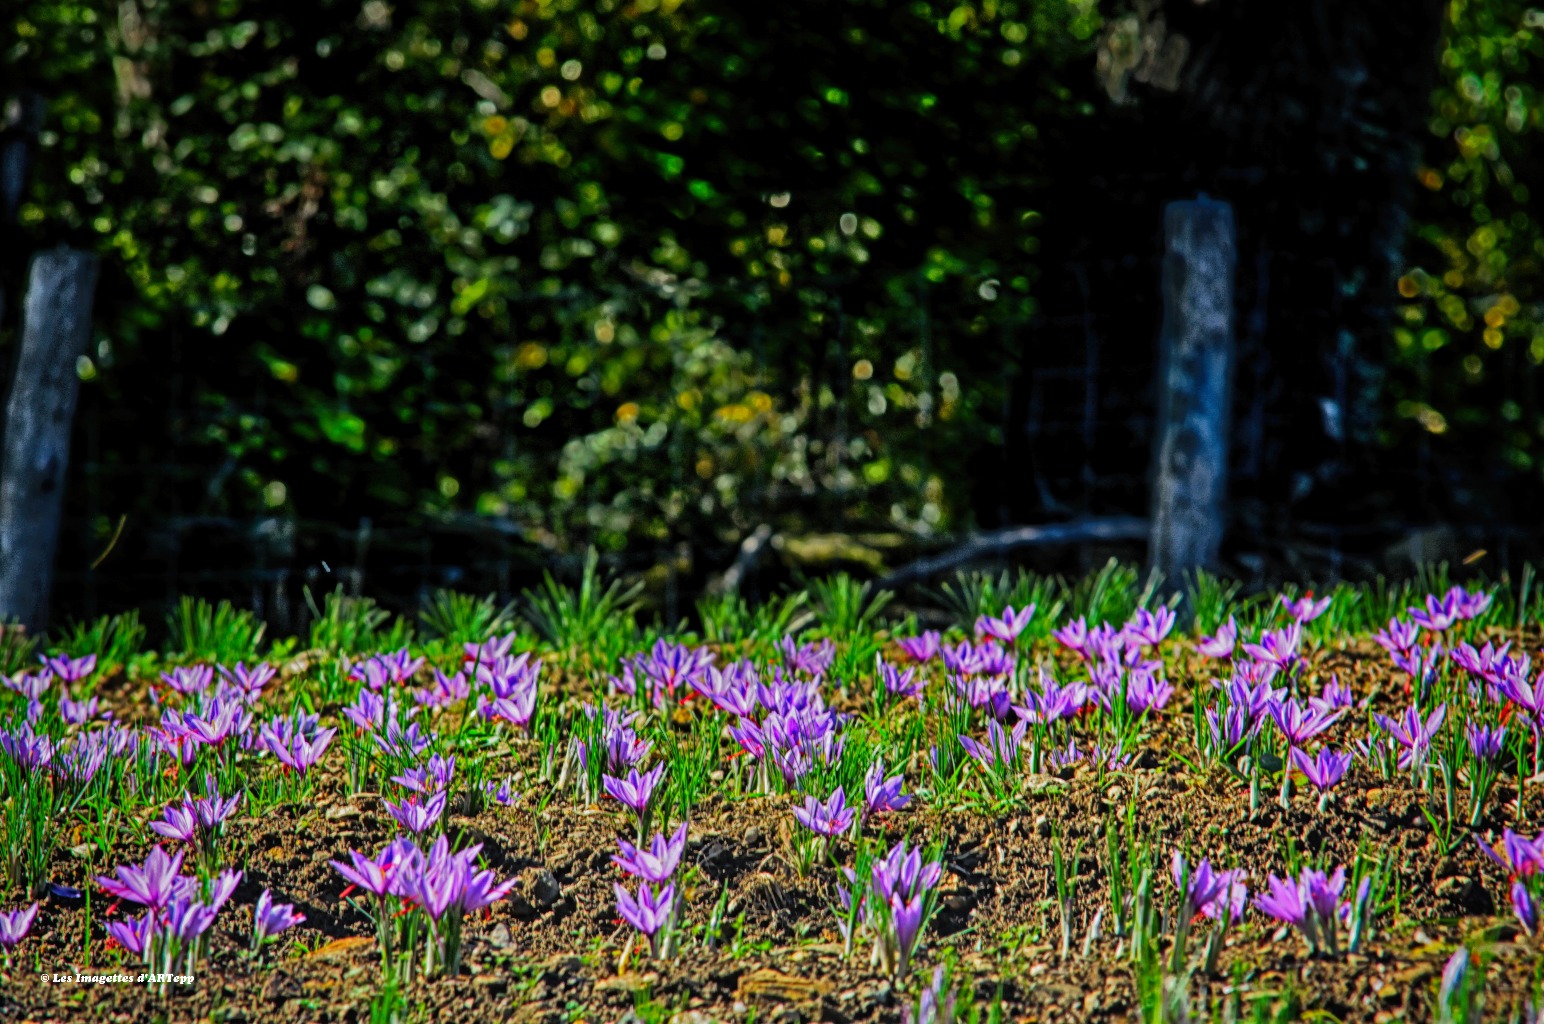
(1195, 361)
(56, 327)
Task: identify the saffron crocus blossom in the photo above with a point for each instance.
(1198, 884)
(1485, 742)
(1053, 702)
(499, 792)
(1398, 637)
(444, 691)
(1305, 609)
(298, 742)
(136, 935)
(881, 794)
(658, 863)
(1334, 697)
(1008, 625)
(898, 683)
(634, 791)
(250, 681)
(1297, 724)
(78, 712)
(1313, 905)
(901, 889)
(270, 918)
(649, 912)
(1278, 647)
(923, 648)
(1220, 644)
(811, 660)
(14, 926)
(1323, 771)
(1150, 628)
(417, 815)
(155, 883)
(1440, 614)
(489, 650)
(1525, 907)
(373, 876)
(1519, 856)
(1001, 749)
(1413, 735)
(1146, 692)
(831, 818)
(71, 670)
(1074, 636)
(188, 679)
(432, 777)
(29, 749)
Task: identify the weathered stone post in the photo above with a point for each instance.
(1190, 466)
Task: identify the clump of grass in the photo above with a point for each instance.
(208, 632)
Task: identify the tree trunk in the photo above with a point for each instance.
(56, 327)
(1195, 369)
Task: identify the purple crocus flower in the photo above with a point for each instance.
(1229, 728)
(250, 681)
(1296, 724)
(373, 876)
(1518, 855)
(1524, 907)
(636, 790)
(1305, 609)
(1001, 748)
(1411, 733)
(899, 683)
(1278, 647)
(134, 935)
(881, 794)
(1007, 626)
(433, 777)
(657, 863)
(1283, 901)
(270, 918)
(650, 911)
(499, 792)
(489, 650)
(1334, 697)
(1486, 742)
(29, 749)
(1146, 692)
(1325, 770)
(1074, 636)
(921, 648)
(1221, 644)
(1150, 628)
(1200, 885)
(71, 670)
(417, 816)
(179, 822)
(1439, 615)
(445, 691)
(78, 712)
(298, 742)
(188, 679)
(154, 884)
(812, 660)
(1398, 637)
(831, 818)
(15, 924)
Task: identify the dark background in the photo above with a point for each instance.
(443, 294)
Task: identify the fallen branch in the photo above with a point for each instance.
(999, 542)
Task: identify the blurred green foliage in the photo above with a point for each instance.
(613, 271)
(1471, 340)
